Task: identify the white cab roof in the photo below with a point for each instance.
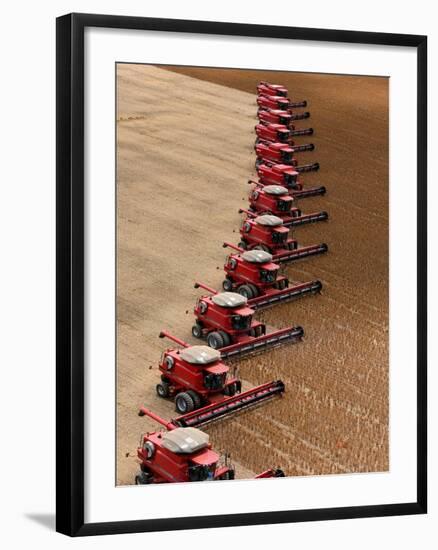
(200, 355)
(185, 440)
(229, 299)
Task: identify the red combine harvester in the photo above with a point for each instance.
(276, 116)
(276, 200)
(197, 379)
(278, 133)
(276, 90)
(267, 232)
(182, 455)
(254, 274)
(287, 176)
(265, 88)
(279, 153)
(226, 320)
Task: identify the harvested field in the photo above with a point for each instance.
(185, 151)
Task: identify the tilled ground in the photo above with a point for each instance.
(185, 151)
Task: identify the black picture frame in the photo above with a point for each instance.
(70, 273)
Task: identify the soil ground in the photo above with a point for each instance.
(185, 151)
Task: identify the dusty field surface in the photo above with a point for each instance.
(185, 151)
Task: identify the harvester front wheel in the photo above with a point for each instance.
(230, 390)
(255, 290)
(215, 340)
(225, 338)
(282, 284)
(197, 330)
(184, 403)
(143, 478)
(196, 398)
(246, 290)
(162, 389)
(243, 245)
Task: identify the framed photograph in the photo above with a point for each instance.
(241, 274)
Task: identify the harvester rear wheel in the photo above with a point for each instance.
(162, 389)
(246, 290)
(197, 401)
(227, 285)
(215, 340)
(184, 403)
(197, 330)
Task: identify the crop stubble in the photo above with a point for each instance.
(196, 151)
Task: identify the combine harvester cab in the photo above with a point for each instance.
(178, 455)
(277, 102)
(183, 454)
(279, 153)
(278, 133)
(287, 176)
(265, 88)
(276, 116)
(194, 376)
(276, 200)
(277, 90)
(227, 322)
(267, 232)
(254, 274)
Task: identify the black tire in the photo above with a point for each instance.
(225, 338)
(255, 290)
(144, 477)
(162, 390)
(279, 473)
(197, 330)
(243, 245)
(258, 162)
(197, 401)
(228, 475)
(230, 390)
(245, 290)
(184, 403)
(282, 284)
(256, 331)
(215, 340)
(227, 285)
